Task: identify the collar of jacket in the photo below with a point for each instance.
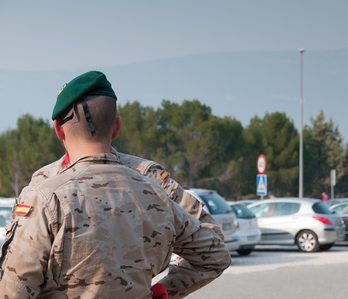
(104, 158)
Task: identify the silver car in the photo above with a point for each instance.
(247, 202)
(306, 222)
(342, 210)
(247, 228)
(221, 212)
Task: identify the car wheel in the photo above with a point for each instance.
(307, 241)
(245, 251)
(326, 246)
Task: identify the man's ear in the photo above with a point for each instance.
(117, 127)
(59, 130)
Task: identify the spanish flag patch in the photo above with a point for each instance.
(164, 175)
(23, 210)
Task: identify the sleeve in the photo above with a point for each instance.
(184, 199)
(176, 193)
(25, 253)
(204, 255)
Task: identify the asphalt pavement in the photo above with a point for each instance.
(282, 272)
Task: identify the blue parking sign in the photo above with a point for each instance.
(261, 184)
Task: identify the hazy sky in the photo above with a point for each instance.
(44, 44)
(47, 35)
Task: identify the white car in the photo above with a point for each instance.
(248, 230)
(6, 205)
(223, 214)
(247, 202)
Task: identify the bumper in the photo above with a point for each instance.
(232, 242)
(331, 235)
(249, 238)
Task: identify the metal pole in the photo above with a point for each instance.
(300, 193)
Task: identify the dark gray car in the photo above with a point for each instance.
(342, 210)
(306, 222)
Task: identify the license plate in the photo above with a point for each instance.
(227, 226)
(251, 238)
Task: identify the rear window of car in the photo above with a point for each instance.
(242, 212)
(321, 208)
(216, 204)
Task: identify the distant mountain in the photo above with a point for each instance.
(237, 84)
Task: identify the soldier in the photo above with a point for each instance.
(150, 169)
(99, 229)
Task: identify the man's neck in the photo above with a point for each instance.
(87, 149)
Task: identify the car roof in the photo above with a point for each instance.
(286, 199)
(233, 203)
(338, 204)
(199, 191)
(7, 201)
(243, 201)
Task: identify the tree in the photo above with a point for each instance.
(276, 137)
(323, 151)
(197, 146)
(341, 188)
(24, 150)
(139, 132)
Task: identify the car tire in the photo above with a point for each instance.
(326, 246)
(307, 241)
(245, 251)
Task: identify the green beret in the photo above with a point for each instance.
(89, 83)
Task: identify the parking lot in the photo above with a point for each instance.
(282, 272)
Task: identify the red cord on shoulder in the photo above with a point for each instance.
(67, 160)
(159, 291)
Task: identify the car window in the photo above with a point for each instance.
(261, 209)
(216, 204)
(5, 215)
(341, 210)
(321, 208)
(286, 208)
(242, 211)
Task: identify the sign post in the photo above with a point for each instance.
(333, 182)
(261, 178)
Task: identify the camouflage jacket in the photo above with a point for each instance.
(100, 230)
(152, 170)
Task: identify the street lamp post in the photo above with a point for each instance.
(300, 193)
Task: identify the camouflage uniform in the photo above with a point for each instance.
(152, 170)
(74, 239)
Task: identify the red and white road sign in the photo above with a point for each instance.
(261, 164)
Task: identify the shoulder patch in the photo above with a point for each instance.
(164, 175)
(23, 210)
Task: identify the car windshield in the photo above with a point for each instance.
(5, 215)
(215, 203)
(321, 208)
(242, 212)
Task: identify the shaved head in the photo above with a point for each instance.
(103, 113)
